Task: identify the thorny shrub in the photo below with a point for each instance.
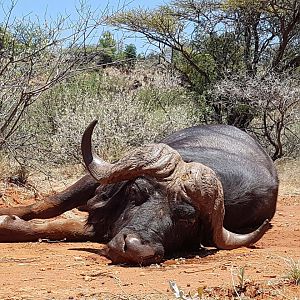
(268, 108)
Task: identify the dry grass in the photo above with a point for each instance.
(129, 115)
(289, 176)
(293, 271)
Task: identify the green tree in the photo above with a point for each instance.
(270, 31)
(130, 55)
(267, 32)
(130, 51)
(108, 47)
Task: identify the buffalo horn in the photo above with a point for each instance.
(97, 167)
(157, 160)
(227, 240)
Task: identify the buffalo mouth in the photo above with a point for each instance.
(129, 249)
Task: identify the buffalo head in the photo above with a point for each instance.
(138, 223)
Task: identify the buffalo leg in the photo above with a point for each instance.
(14, 229)
(76, 195)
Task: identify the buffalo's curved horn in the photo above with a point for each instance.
(228, 240)
(95, 165)
(157, 160)
(206, 193)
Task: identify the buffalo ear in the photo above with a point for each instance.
(108, 196)
(184, 211)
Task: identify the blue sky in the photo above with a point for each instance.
(54, 7)
(51, 9)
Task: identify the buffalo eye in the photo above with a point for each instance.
(184, 212)
(137, 194)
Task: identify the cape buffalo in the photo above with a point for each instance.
(210, 185)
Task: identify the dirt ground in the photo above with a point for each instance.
(61, 270)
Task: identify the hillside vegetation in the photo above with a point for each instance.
(220, 62)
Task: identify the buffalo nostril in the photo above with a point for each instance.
(125, 245)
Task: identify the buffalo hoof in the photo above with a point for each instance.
(13, 228)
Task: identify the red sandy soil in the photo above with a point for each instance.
(76, 270)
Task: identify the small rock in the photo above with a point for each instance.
(78, 258)
(88, 278)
